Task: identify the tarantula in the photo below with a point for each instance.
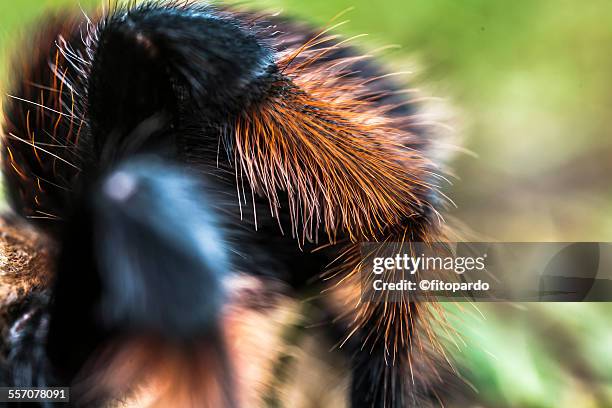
(189, 167)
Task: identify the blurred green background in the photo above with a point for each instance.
(526, 86)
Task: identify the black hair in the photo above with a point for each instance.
(165, 147)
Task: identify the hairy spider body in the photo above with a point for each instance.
(186, 161)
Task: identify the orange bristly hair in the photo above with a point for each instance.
(342, 160)
(40, 140)
(407, 324)
(349, 166)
